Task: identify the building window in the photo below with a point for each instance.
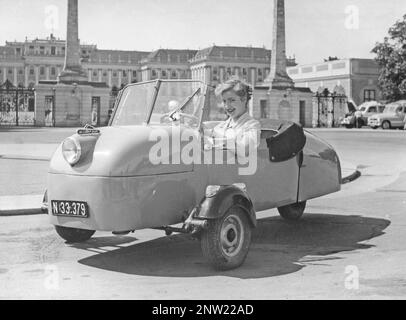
(10, 71)
(154, 73)
(20, 71)
(94, 73)
(134, 74)
(173, 74)
(125, 74)
(53, 51)
(114, 74)
(244, 71)
(229, 71)
(41, 50)
(264, 109)
(369, 95)
(104, 74)
(215, 71)
(53, 71)
(18, 51)
(42, 71)
(163, 73)
(32, 71)
(260, 72)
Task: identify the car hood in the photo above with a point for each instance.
(123, 152)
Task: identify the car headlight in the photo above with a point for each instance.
(71, 150)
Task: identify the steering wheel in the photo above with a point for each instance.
(180, 114)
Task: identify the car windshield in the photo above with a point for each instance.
(178, 102)
(174, 102)
(134, 104)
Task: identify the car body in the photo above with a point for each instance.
(359, 118)
(392, 117)
(116, 186)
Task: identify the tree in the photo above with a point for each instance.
(391, 57)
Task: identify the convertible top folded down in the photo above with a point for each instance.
(285, 139)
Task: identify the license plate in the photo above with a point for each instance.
(76, 209)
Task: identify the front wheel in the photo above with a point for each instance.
(73, 235)
(226, 241)
(292, 212)
(386, 125)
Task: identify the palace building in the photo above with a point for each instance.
(29, 63)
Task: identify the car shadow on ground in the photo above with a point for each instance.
(278, 248)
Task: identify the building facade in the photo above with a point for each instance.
(357, 77)
(27, 64)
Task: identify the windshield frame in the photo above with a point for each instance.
(150, 108)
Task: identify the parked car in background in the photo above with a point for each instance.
(392, 117)
(359, 118)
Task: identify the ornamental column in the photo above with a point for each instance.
(72, 70)
(278, 76)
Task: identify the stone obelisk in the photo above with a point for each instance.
(72, 70)
(278, 76)
(74, 98)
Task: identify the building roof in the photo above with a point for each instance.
(233, 52)
(4, 50)
(117, 56)
(170, 55)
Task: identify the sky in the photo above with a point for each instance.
(315, 29)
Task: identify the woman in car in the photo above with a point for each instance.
(240, 131)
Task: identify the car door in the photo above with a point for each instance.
(370, 112)
(269, 184)
(274, 184)
(400, 116)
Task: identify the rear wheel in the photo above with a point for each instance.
(386, 125)
(73, 235)
(292, 212)
(225, 242)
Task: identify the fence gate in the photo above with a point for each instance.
(16, 105)
(329, 107)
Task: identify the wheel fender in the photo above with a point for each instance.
(216, 205)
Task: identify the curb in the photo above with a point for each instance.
(352, 177)
(21, 205)
(21, 212)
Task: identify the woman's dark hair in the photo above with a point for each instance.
(239, 86)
